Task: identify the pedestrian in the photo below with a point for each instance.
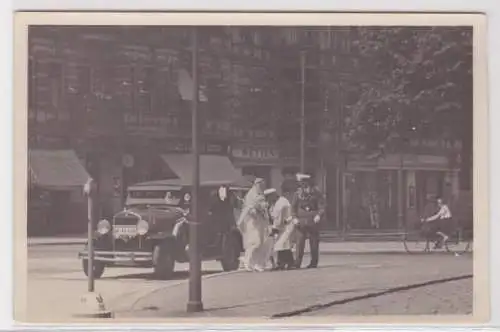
(308, 207)
(282, 228)
(254, 226)
(441, 223)
(221, 212)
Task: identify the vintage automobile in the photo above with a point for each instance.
(152, 230)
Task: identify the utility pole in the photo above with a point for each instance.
(338, 170)
(303, 112)
(401, 188)
(90, 190)
(194, 303)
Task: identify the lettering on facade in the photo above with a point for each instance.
(224, 128)
(184, 146)
(436, 144)
(151, 125)
(255, 153)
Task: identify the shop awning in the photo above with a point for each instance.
(213, 168)
(57, 170)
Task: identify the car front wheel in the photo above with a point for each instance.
(163, 261)
(98, 268)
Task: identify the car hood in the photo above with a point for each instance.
(158, 214)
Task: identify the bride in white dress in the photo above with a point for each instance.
(254, 226)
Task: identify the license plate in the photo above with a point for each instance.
(125, 230)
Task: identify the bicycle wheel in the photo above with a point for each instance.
(415, 242)
(459, 242)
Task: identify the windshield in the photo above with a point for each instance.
(157, 197)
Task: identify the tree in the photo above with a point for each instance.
(417, 81)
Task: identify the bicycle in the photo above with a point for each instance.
(421, 237)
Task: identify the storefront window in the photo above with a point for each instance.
(371, 200)
(56, 84)
(144, 83)
(411, 197)
(124, 82)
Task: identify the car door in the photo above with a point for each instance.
(208, 233)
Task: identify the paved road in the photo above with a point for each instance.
(56, 283)
(339, 277)
(450, 298)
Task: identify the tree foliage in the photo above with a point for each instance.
(416, 82)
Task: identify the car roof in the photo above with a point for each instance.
(242, 183)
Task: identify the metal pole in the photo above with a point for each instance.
(338, 171)
(401, 191)
(303, 112)
(91, 216)
(194, 303)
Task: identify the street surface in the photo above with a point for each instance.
(450, 298)
(56, 283)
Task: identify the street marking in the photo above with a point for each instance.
(318, 307)
(369, 266)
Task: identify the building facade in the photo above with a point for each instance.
(118, 101)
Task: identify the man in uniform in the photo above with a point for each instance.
(308, 206)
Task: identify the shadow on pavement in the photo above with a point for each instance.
(214, 310)
(178, 275)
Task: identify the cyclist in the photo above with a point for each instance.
(440, 223)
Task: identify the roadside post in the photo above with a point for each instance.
(194, 303)
(302, 112)
(92, 303)
(89, 190)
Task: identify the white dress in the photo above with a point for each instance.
(254, 227)
(281, 214)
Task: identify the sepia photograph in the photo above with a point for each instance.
(174, 169)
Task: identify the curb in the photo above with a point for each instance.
(325, 252)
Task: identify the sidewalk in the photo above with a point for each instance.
(337, 247)
(267, 294)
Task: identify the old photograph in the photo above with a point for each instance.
(249, 171)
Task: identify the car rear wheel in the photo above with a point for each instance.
(230, 260)
(163, 261)
(98, 268)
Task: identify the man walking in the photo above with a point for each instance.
(308, 206)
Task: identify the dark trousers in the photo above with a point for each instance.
(310, 233)
(285, 259)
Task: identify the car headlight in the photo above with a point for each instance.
(103, 227)
(142, 227)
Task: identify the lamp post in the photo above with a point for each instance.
(194, 303)
(303, 111)
(89, 190)
(339, 174)
(401, 189)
